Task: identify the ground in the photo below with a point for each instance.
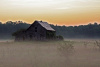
(69, 53)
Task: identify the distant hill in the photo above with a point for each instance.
(81, 31)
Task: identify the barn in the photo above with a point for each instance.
(39, 30)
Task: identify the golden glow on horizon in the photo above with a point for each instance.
(61, 12)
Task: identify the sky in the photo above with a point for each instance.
(60, 12)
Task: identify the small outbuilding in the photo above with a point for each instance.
(39, 30)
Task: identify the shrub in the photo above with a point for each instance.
(59, 37)
(17, 32)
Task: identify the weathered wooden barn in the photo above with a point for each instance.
(39, 30)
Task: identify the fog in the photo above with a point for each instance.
(69, 53)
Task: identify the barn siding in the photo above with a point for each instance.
(35, 32)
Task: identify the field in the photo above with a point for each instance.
(69, 53)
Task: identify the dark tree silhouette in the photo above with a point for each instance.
(81, 31)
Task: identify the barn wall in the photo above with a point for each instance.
(36, 32)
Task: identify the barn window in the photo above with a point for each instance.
(35, 27)
(35, 30)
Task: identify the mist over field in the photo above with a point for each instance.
(69, 53)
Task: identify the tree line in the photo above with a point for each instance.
(81, 31)
(9, 27)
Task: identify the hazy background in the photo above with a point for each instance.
(62, 12)
(91, 31)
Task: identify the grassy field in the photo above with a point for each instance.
(69, 53)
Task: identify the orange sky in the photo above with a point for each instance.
(61, 12)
